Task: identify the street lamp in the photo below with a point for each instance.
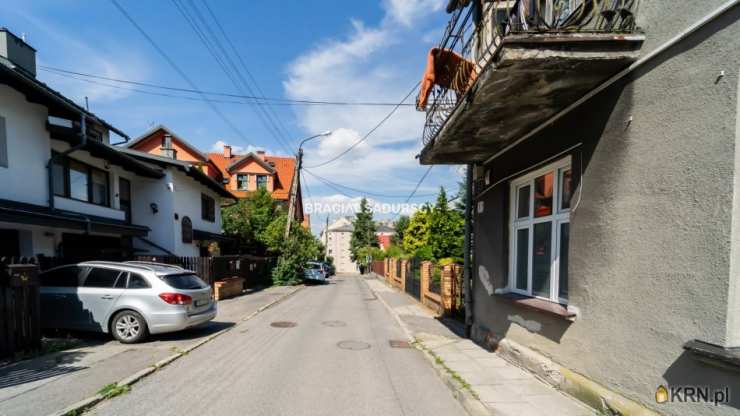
(294, 185)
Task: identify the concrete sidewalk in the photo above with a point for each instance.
(50, 383)
(501, 387)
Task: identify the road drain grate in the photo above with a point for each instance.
(334, 324)
(394, 343)
(283, 324)
(353, 345)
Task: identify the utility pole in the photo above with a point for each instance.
(294, 185)
(326, 239)
(293, 192)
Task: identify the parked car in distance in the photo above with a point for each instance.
(314, 271)
(330, 271)
(128, 300)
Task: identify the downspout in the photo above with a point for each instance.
(468, 252)
(54, 158)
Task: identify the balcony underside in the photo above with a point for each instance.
(535, 76)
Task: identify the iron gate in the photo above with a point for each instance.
(413, 278)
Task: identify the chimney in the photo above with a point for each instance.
(227, 151)
(18, 52)
(261, 154)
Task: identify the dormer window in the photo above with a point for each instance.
(261, 181)
(242, 181)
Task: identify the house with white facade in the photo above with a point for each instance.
(338, 236)
(66, 191)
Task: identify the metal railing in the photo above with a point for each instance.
(475, 36)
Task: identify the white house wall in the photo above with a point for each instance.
(187, 203)
(25, 178)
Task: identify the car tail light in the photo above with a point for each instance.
(176, 298)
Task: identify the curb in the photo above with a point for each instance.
(87, 403)
(470, 403)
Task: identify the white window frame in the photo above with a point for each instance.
(558, 217)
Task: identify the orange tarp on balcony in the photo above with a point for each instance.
(448, 70)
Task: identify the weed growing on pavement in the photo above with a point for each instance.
(440, 362)
(113, 390)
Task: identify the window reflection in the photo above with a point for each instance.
(566, 190)
(543, 187)
(523, 206)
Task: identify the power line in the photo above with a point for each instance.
(272, 100)
(367, 135)
(213, 46)
(270, 111)
(361, 191)
(423, 177)
(174, 66)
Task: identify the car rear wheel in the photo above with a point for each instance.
(129, 327)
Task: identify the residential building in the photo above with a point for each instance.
(603, 141)
(241, 175)
(67, 192)
(384, 231)
(244, 174)
(338, 236)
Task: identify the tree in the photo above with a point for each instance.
(363, 235)
(400, 228)
(446, 229)
(416, 233)
(247, 220)
(302, 246)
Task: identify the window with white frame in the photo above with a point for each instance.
(540, 230)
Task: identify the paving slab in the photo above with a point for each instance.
(502, 387)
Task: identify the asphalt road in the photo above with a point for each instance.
(336, 360)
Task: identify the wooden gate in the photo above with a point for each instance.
(20, 318)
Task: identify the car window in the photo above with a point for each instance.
(121, 282)
(136, 281)
(186, 281)
(66, 276)
(101, 277)
(313, 266)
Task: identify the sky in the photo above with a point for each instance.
(319, 50)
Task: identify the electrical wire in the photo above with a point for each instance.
(367, 135)
(272, 100)
(177, 69)
(213, 46)
(361, 191)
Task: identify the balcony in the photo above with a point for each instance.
(503, 69)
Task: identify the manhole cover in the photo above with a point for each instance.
(283, 324)
(353, 345)
(395, 343)
(334, 324)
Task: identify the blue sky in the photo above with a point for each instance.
(370, 50)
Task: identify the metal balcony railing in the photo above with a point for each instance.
(474, 35)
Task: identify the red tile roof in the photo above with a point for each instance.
(284, 167)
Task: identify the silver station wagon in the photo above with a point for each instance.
(128, 300)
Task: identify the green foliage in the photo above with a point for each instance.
(394, 251)
(377, 253)
(416, 233)
(302, 246)
(400, 226)
(363, 236)
(113, 390)
(248, 220)
(274, 235)
(424, 253)
(446, 229)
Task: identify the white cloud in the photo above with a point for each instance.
(406, 11)
(218, 147)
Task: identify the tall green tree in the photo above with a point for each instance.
(400, 228)
(446, 228)
(416, 234)
(247, 220)
(363, 235)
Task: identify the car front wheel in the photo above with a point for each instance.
(129, 327)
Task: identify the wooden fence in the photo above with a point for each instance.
(20, 318)
(255, 270)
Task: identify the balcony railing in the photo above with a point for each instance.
(473, 38)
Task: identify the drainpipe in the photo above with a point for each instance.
(468, 253)
(54, 158)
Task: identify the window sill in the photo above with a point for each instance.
(728, 358)
(540, 305)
